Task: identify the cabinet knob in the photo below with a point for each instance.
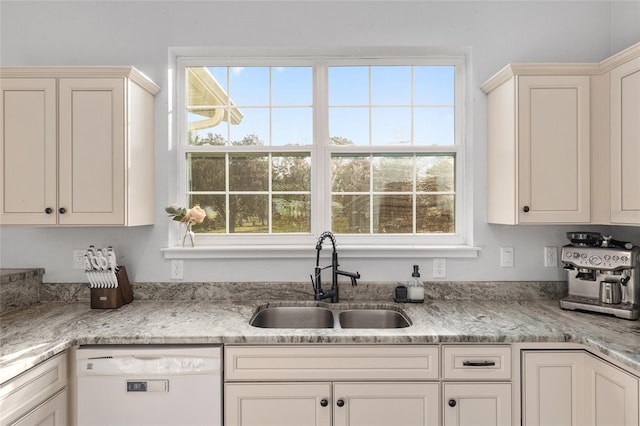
(525, 209)
(324, 402)
(62, 210)
(48, 210)
(452, 403)
(340, 403)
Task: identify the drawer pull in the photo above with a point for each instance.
(479, 363)
(324, 402)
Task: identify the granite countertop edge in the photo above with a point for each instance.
(34, 334)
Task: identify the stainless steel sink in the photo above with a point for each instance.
(372, 318)
(293, 317)
(325, 317)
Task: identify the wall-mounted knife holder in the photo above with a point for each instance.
(113, 298)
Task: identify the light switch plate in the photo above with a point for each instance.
(506, 257)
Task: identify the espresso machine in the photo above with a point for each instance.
(604, 275)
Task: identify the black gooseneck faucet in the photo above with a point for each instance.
(333, 294)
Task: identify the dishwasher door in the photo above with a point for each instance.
(149, 385)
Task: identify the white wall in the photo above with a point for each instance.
(147, 33)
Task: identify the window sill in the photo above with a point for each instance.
(306, 251)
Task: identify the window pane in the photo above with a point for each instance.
(292, 126)
(216, 209)
(433, 126)
(350, 173)
(220, 76)
(216, 136)
(207, 172)
(248, 214)
(248, 172)
(391, 85)
(437, 214)
(435, 173)
(249, 85)
(391, 126)
(348, 85)
(433, 85)
(393, 173)
(253, 129)
(350, 214)
(291, 172)
(291, 213)
(392, 214)
(292, 86)
(349, 126)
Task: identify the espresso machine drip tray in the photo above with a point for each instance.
(603, 279)
(621, 310)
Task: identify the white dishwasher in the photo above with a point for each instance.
(154, 385)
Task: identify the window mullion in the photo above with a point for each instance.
(321, 153)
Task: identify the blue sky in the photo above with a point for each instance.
(351, 113)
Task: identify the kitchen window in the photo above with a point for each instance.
(278, 150)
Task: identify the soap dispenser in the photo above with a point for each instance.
(415, 287)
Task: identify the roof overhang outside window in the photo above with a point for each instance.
(208, 99)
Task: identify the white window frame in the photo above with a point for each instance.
(296, 245)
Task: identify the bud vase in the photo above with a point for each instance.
(189, 237)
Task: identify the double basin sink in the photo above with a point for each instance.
(372, 317)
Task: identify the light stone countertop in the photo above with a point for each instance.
(31, 335)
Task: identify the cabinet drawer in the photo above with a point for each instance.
(315, 362)
(22, 394)
(477, 362)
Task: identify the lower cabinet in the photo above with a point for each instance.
(51, 413)
(576, 388)
(477, 404)
(417, 385)
(282, 404)
(38, 397)
(338, 404)
(332, 385)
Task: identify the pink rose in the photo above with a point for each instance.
(194, 214)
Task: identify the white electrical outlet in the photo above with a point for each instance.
(78, 259)
(177, 269)
(551, 257)
(506, 257)
(439, 268)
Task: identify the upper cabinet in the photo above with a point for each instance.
(538, 147)
(77, 147)
(563, 142)
(625, 142)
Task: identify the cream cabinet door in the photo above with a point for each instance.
(611, 395)
(383, 404)
(92, 151)
(553, 149)
(552, 387)
(576, 388)
(477, 404)
(625, 143)
(277, 404)
(51, 413)
(28, 134)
